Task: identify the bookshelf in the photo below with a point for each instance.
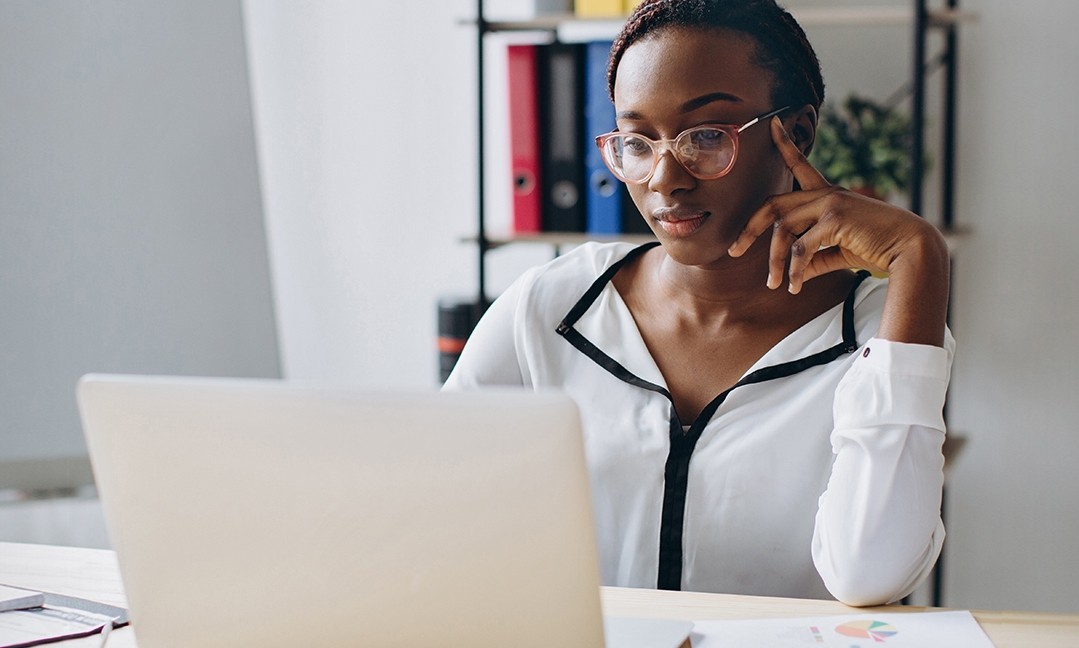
(944, 16)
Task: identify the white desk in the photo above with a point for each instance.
(93, 574)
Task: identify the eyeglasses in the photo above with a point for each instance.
(706, 152)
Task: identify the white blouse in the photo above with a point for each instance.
(827, 480)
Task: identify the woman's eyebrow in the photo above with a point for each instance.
(687, 107)
(711, 97)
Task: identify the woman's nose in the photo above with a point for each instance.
(669, 175)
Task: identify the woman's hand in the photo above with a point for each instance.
(824, 228)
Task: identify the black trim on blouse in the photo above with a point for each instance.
(682, 442)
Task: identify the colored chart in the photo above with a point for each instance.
(876, 630)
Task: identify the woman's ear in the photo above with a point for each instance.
(803, 129)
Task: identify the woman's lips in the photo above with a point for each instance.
(680, 223)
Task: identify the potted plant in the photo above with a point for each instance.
(864, 146)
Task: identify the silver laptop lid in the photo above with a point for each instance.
(263, 513)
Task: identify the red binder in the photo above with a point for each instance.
(524, 138)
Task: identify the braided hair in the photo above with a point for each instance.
(782, 46)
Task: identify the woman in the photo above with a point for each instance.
(741, 438)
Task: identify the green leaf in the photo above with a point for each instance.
(864, 144)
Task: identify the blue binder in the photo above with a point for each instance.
(603, 192)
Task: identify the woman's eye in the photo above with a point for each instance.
(708, 138)
(635, 146)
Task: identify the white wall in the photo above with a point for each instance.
(363, 242)
(131, 232)
(1015, 496)
(362, 225)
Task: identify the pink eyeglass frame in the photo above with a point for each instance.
(662, 146)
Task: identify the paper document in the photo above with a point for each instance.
(15, 598)
(885, 630)
(29, 618)
(620, 632)
(31, 627)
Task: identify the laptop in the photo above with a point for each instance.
(259, 512)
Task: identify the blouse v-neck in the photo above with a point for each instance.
(603, 299)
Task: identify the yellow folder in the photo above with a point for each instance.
(598, 8)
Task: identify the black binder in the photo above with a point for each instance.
(561, 93)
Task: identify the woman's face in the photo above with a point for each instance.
(679, 78)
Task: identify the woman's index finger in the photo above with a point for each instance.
(805, 173)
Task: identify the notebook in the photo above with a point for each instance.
(253, 512)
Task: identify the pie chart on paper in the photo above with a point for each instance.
(876, 630)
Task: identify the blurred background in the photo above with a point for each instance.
(218, 187)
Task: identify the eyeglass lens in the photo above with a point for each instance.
(704, 152)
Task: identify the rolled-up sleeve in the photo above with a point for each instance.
(878, 529)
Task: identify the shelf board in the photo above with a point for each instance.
(950, 17)
(955, 235)
(860, 16)
(565, 239)
(571, 28)
(559, 239)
